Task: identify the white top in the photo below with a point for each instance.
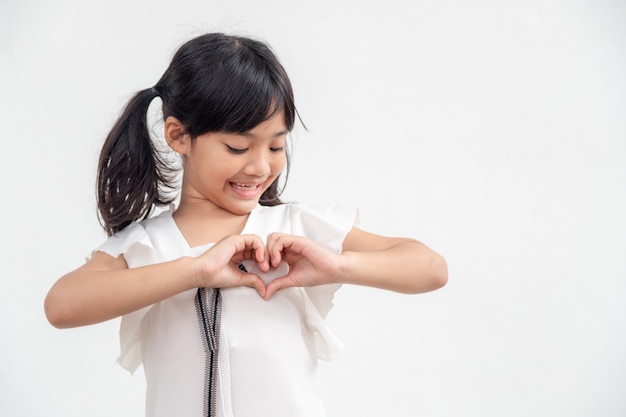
(268, 349)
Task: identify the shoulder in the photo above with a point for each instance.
(135, 233)
(327, 224)
(311, 216)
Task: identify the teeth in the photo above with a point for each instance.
(245, 186)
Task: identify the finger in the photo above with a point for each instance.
(263, 258)
(253, 248)
(254, 281)
(275, 245)
(275, 286)
(260, 254)
(270, 290)
(249, 247)
(256, 246)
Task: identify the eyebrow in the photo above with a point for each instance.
(249, 134)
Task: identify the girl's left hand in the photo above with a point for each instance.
(309, 263)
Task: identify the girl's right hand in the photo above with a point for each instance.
(218, 267)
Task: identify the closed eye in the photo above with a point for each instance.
(279, 149)
(236, 151)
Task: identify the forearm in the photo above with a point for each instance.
(87, 296)
(406, 267)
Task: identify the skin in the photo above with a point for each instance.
(224, 177)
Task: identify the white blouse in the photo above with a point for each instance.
(268, 350)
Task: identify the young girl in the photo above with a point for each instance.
(223, 298)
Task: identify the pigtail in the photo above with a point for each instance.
(132, 175)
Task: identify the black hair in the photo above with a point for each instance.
(214, 83)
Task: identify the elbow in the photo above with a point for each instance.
(440, 272)
(435, 275)
(57, 315)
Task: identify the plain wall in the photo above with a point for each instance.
(494, 132)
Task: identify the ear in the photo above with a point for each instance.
(176, 137)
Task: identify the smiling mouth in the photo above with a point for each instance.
(246, 187)
(247, 191)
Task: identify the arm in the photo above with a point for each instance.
(105, 288)
(396, 264)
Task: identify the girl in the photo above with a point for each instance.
(223, 299)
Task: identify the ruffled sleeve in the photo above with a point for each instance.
(138, 250)
(328, 226)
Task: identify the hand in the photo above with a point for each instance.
(309, 263)
(218, 266)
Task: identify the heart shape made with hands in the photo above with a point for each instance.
(253, 268)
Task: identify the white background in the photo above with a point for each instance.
(493, 131)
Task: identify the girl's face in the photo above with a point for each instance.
(232, 170)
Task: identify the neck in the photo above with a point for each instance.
(207, 223)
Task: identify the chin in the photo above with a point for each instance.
(242, 209)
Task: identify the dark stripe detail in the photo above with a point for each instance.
(209, 314)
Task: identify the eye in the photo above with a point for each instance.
(278, 149)
(236, 151)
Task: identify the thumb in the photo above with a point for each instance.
(275, 286)
(254, 281)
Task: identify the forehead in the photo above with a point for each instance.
(275, 126)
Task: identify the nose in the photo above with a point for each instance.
(259, 165)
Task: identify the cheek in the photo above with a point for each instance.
(279, 165)
(207, 170)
